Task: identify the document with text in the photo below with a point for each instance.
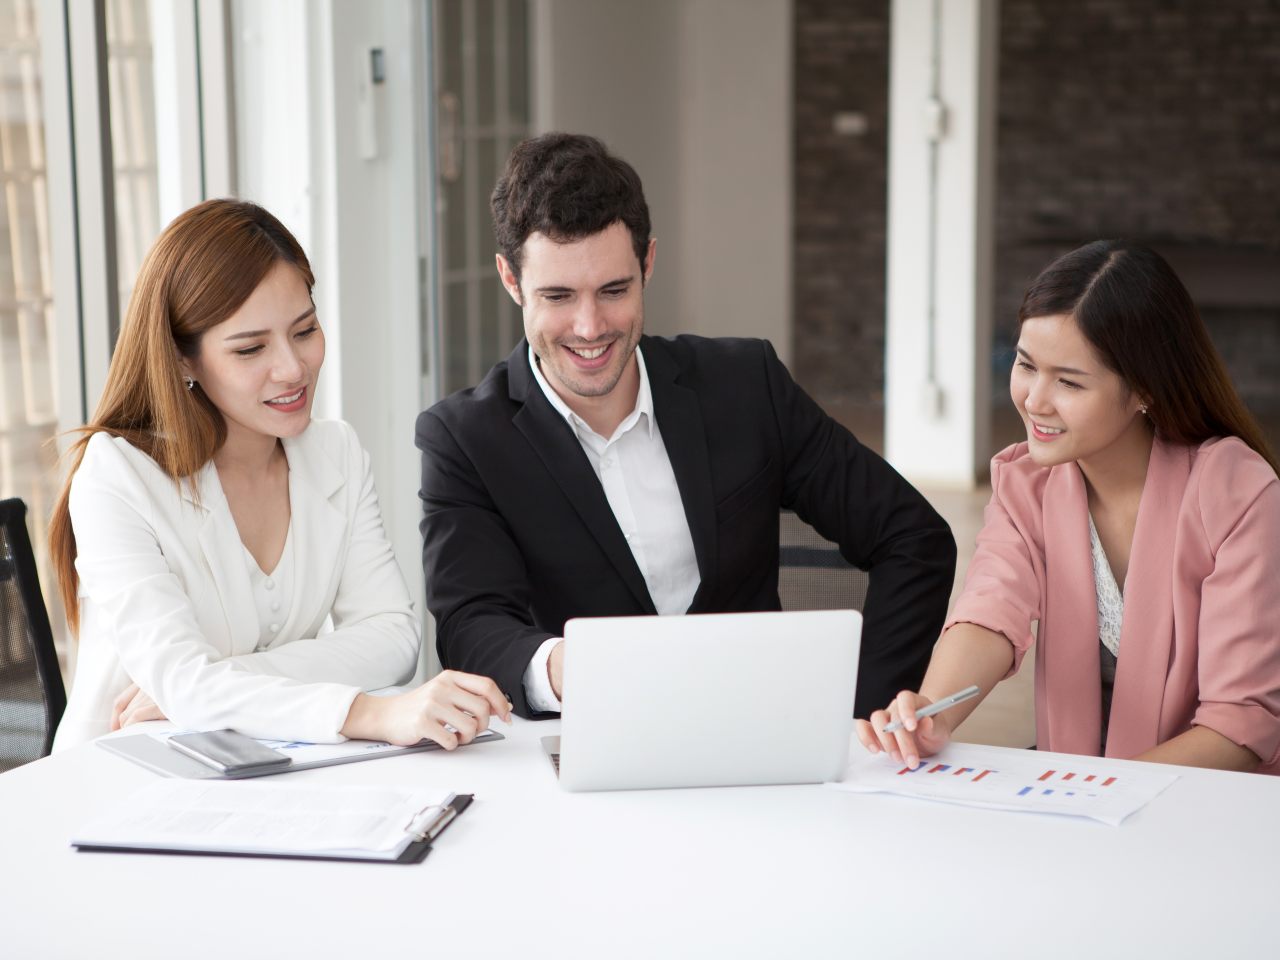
(1011, 780)
(269, 819)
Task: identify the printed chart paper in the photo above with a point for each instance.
(1011, 780)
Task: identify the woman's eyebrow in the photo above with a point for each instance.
(262, 333)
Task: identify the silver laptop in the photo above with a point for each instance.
(706, 700)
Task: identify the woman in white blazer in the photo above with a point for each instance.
(221, 556)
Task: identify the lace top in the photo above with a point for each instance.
(1110, 617)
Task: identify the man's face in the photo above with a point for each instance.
(583, 305)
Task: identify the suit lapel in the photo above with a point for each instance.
(555, 444)
(225, 560)
(1070, 650)
(679, 417)
(318, 528)
(1146, 633)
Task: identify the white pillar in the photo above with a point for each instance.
(942, 109)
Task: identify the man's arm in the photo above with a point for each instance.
(477, 584)
(882, 524)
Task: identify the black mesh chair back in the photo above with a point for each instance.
(812, 575)
(32, 696)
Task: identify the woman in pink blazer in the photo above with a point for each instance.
(1139, 524)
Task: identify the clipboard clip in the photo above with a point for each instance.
(427, 823)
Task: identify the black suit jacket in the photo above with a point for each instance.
(518, 536)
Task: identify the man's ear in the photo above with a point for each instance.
(508, 278)
(650, 255)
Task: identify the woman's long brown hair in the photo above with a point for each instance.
(1133, 309)
(202, 269)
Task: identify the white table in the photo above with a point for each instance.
(530, 871)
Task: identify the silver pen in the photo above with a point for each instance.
(937, 706)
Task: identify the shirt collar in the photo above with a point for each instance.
(643, 408)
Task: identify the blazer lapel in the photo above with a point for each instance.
(1146, 634)
(679, 417)
(224, 557)
(555, 444)
(318, 527)
(1069, 652)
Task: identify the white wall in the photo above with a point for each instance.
(303, 99)
(696, 95)
(937, 422)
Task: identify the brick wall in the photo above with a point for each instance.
(1154, 119)
(1157, 120)
(841, 65)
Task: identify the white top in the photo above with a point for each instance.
(273, 592)
(167, 599)
(635, 471)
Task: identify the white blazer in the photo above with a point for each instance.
(166, 600)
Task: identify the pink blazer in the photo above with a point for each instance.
(1200, 641)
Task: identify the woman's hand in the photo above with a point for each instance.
(914, 739)
(451, 709)
(133, 706)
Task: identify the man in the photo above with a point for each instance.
(600, 472)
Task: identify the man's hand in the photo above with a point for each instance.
(555, 669)
(133, 706)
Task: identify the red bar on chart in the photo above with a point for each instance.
(982, 774)
(939, 767)
(957, 773)
(907, 770)
(1109, 781)
(1090, 778)
(1068, 776)
(1047, 774)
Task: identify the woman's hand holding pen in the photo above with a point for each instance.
(914, 738)
(450, 708)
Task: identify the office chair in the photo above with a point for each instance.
(32, 697)
(812, 575)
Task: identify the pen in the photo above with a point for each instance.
(937, 707)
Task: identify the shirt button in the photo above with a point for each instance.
(269, 583)
(607, 464)
(275, 604)
(274, 628)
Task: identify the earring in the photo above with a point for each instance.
(190, 384)
(1142, 409)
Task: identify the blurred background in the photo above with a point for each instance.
(869, 184)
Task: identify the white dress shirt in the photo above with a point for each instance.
(640, 485)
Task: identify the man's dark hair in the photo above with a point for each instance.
(566, 186)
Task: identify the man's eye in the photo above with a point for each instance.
(556, 297)
(615, 292)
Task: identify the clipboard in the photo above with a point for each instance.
(424, 829)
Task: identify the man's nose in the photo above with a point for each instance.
(588, 323)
